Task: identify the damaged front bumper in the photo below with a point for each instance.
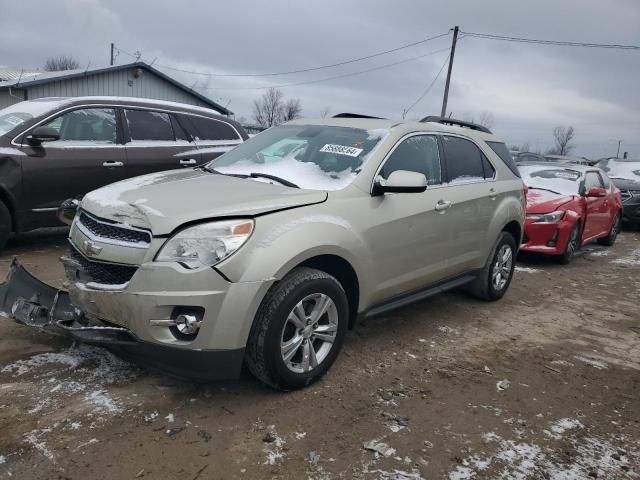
(33, 303)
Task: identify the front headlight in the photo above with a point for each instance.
(553, 217)
(206, 244)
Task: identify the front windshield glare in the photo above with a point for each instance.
(15, 115)
(314, 157)
(558, 180)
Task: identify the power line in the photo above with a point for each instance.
(302, 70)
(360, 72)
(424, 94)
(551, 42)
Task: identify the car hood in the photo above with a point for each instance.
(626, 184)
(541, 201)
(163, 201)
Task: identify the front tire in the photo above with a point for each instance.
(298, 330)
(494, 280)
(610, 239)
(573, 244)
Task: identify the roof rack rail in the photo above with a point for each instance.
(354, 115)
(453, 121)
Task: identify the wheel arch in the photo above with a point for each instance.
(6, 198)
(515, 229)
(346, 275)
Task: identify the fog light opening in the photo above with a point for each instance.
(554, 239)
(187, 322)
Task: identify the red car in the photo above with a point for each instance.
(569, 206)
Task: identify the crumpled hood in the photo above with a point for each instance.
(163, 201)
(541, 201)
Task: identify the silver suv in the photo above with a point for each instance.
(267, 255)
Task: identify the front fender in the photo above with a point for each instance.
(281, 241)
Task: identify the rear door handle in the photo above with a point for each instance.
(112, 164)
(188, 161)
(492, 194)
(443, 205)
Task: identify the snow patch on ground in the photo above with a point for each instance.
(73, 381)
(600, 253)
(274, 450)
(630, 260)
(520, 460)
(526, 269)
(599, 364)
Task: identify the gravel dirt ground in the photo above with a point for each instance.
(542, 384)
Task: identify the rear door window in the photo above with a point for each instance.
(149, 125)
(209, 129)
(96, 125)
(464, 160)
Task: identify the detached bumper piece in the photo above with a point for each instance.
(33, 303)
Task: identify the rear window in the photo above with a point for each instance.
(209, 129)
(501, 150)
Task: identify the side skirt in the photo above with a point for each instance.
(417, 295)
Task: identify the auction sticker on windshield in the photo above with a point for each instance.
(341, 150)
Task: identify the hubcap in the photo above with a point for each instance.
(502, 267)
(572, 246)
(309, 333)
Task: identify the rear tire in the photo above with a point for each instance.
(494, 280)
(289, 345)
(610, 239)
(5, 225)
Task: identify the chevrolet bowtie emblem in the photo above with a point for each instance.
(91, 248)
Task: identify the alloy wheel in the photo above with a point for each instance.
(502, 267)
(309, 333)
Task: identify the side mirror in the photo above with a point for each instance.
(42, 134)
(67, 210)
(596, 192)
(400, 181)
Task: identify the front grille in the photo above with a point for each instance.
(105, 273)
(114, 232)
(628, 194)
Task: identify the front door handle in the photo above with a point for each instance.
(443, 205)
(188, 161)
(492, 194)
(112, 164)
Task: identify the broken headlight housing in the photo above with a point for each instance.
(206, 244)
(553, 217)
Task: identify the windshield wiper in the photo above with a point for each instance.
(284, 182)
(546, 190)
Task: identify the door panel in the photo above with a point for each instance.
(474, 197)
(72, 166)
(597, 221)
(409, 237)
(155, 142)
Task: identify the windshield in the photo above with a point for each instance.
(314, 157)
(628, 170)
(15, 115)
(557, 180)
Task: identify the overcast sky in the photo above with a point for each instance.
(528, 89)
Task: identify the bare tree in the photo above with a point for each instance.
(324, 113)
(291, 110)
(63, 62)
(267, 110)
(486, 119)
(563, 137)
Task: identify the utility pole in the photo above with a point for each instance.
(446, 86)
(618, 154)
(112, 52)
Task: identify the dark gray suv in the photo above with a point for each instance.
(52, 149)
